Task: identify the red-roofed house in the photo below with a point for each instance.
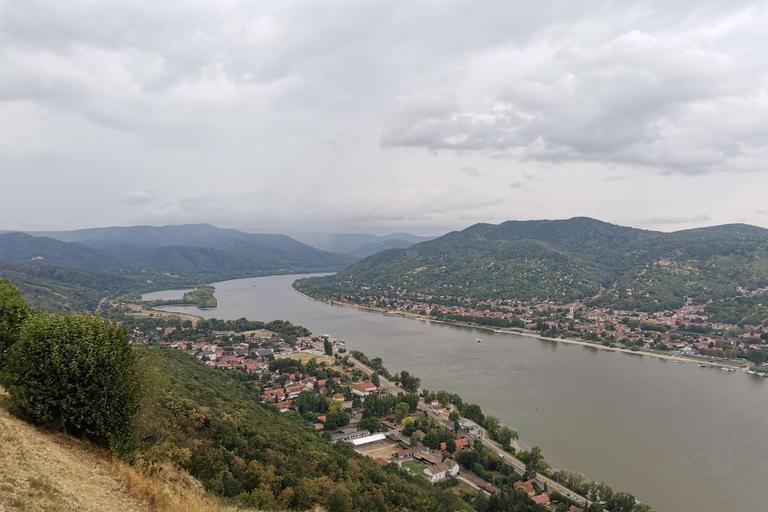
(364, 389)
(528, 486)
(541, 499)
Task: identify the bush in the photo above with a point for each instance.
(13, 313)
(77, 373)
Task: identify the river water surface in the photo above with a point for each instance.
(679, 437)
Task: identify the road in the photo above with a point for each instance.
(507, 458)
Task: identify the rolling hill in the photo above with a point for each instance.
(94, 263)
(563, 260)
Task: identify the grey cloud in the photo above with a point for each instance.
(637, 99)
(139, 197)
(676, 219)
(515, 184)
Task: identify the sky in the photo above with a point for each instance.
(357, 116)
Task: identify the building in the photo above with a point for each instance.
(410, 452)
(441, 471)
(368, 440)
(528, 486)
(364, 389)
(469, 426)
(349, 435)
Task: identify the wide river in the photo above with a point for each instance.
(679, 437)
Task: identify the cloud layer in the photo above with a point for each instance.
(381, 116)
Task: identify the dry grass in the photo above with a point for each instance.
(305, 357)
(263, 333)
(48, 472)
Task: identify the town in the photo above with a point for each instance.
(686, 331)
(346, 397)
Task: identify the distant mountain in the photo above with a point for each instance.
(376, 247)
(563, 260)
(162, 256)
(357, 244)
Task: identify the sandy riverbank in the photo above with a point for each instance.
(531, 334)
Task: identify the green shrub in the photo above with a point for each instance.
(77, 373)
(13, 312)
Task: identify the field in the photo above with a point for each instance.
(263, 333)
(383, 451)
(414, 466)
(305, 356)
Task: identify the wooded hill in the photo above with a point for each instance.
(563, 260)
(79, 267)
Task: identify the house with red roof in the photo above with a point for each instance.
(528, 486)
(364, 389)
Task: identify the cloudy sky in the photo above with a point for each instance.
(382, 116)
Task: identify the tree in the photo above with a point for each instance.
(414, 439)
(78, 373)
(328, 347)
(505, 435)
(401, 411)
(621, 502)
(411, 383)
(450, 446)
(335, 406)
(14, 311)
(453, 416)
(491, 424)
(468, 458)
(757, 356)
(370, 424)
(375, 379)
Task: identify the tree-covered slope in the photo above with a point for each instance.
(144, 256)
(50, 288)
(565, 260)
(212, 424)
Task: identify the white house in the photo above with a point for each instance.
(441, 471)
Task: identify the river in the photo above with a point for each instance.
(679, 437)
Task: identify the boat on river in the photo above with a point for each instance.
(478, 340)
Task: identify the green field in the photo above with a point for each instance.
(414, 466)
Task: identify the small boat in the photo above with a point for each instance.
(478, 340)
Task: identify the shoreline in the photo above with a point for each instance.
(531, 334)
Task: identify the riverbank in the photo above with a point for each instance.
(533, 334)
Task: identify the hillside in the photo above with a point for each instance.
(564, 260)
(93, 263)
(375, 247)
(42, 471)
(214, 425)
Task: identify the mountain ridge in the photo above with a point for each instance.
(564, 260)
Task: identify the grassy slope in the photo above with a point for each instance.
(43, 471)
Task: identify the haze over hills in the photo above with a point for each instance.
(108, 260)
(563, 260)
(358, 244)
